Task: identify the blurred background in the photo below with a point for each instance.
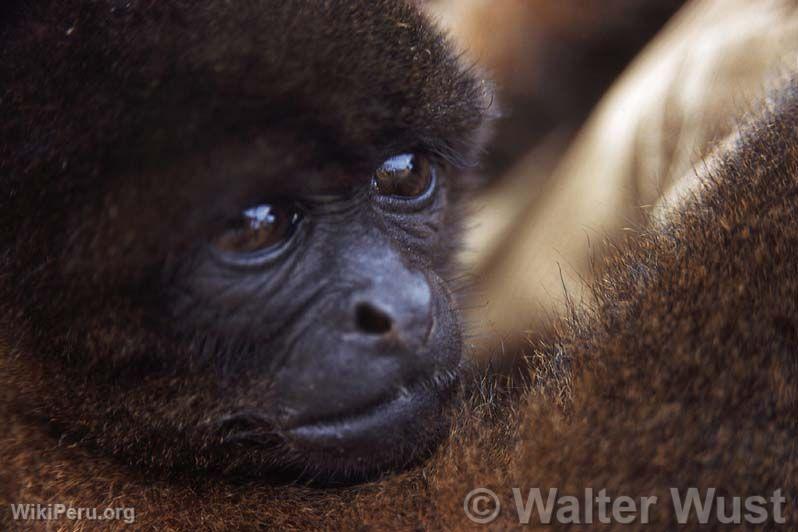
(606, 108)
(551, 60)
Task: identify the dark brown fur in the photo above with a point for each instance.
(135, 127)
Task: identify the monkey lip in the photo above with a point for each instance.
(415, 409)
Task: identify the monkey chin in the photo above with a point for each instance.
(380, 438)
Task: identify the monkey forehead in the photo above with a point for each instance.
(156, 79)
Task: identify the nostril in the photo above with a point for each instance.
(372, 320)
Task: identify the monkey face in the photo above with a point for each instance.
(334, 308)
(233, 252)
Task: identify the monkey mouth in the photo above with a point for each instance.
(414, 414)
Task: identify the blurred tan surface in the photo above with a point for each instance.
(681, 96)
(551, 60)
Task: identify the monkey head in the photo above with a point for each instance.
(228, 230)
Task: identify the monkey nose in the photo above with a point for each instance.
(372, 320)
(400, 311)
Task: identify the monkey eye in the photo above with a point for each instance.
(405, 176)
(261, 228)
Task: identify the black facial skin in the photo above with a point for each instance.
(341, 286)
(227, 231)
